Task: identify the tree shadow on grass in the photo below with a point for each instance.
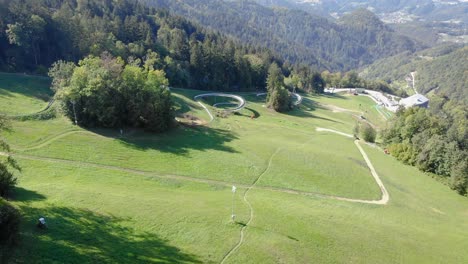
(23, 195)
(35, 87)
(248, 112)
(255, 113)
(82, 236)
(184, 106)
(181, 140)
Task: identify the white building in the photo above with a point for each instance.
(415, 100)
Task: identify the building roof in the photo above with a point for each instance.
(414, 100)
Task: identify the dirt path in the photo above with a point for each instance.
(54, 138)
(241, 240)
(385, 196)
(320, 129)
(384, 200)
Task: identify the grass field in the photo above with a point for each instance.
(21, 95)
(146, 198)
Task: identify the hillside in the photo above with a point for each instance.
(35, 34)
(442, 70)
(298, 36)
(428, 21)
(139, 197)
(399, 11)
(171, 135)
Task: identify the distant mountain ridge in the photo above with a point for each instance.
(425, 9)
(354, 41)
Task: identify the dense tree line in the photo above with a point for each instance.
(356, 40)
(435, 140)
(36, 33)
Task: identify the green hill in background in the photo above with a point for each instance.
(441, 70)
(356, 40)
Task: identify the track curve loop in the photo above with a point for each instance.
(241, 101)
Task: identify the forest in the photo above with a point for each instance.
(353, 41)
(441, 70)
(35, 34)
(435, 140)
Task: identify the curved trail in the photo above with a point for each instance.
(241, 240)
(49, 104)
(385, 196)
(55, 138)
(384, 200)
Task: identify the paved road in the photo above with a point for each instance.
(378, 97)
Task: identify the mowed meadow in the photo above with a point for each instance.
(136, 197)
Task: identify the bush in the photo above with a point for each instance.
(10, 218)
(280, 100)
(368, 133)
(7, 179)
(459, 178)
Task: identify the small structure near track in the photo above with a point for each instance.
(415, 100)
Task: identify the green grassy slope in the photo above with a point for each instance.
(21, 95)
(145, 198)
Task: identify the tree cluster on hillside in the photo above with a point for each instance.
(442, 70)
(356, 40)
(278, 97)
(435, 140)
(106, 92)
(36, 33)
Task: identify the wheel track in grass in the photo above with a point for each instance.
(242, 231)
(50, 140)
(384, 200)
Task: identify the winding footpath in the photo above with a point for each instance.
(385, 196)
(384, 199)
(49, 105)
(241, 104)
(241, 240)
